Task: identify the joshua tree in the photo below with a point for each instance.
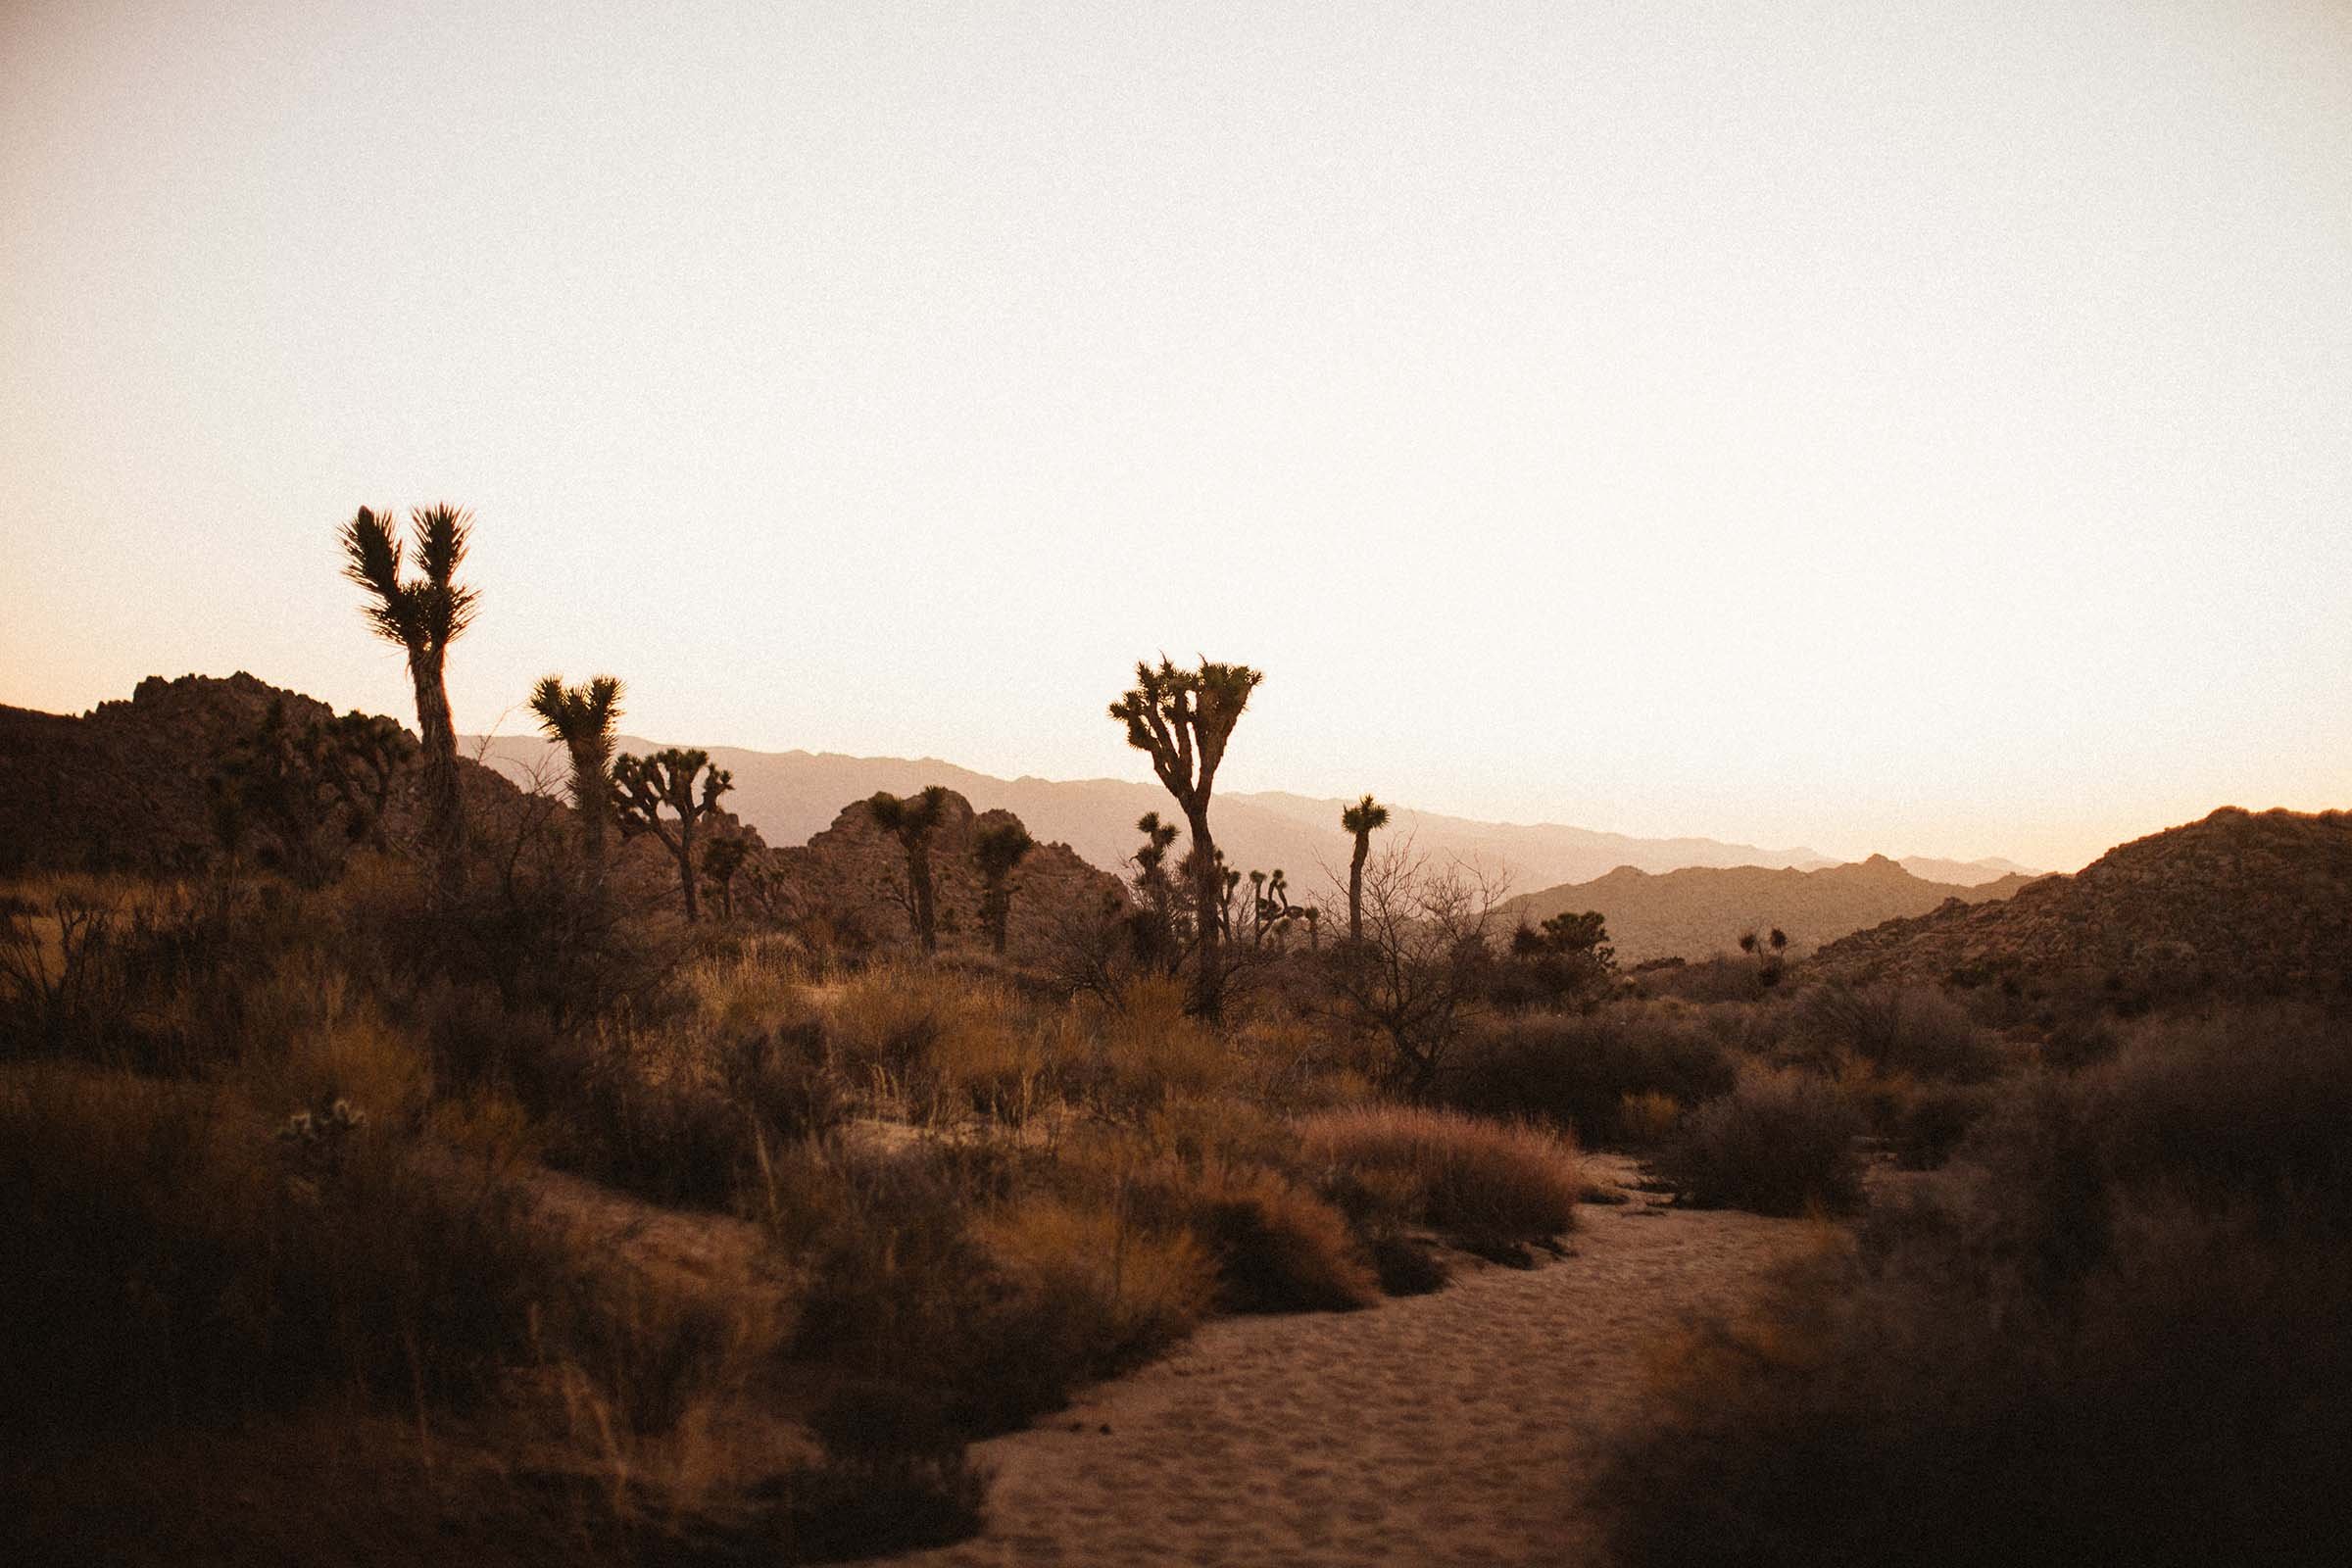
(999, 848)
(721, 859)
(1183, 719)
(582, 718)
(293, 785)
(911, 822)
(423, 616)
(1361, 819)
(643, 785)
(1771, 956)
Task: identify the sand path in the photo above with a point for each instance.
(1452, 1428)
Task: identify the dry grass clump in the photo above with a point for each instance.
(169, 1256)
(2112, 1330)
(935, 1270)
(1489, 1182)
(1575, 1071)
(1781, 1143)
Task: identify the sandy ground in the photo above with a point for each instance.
(1453, 1428)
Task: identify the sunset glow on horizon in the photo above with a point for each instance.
(1927, 433)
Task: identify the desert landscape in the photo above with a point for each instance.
(1277, 787)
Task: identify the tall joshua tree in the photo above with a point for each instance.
(1362, 819)
(582, 718)
(1183, 719)
(911, 822)
(999, 848)
(643, 785)
(423, 616)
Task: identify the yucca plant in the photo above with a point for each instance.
(999, 848)
(643, 785)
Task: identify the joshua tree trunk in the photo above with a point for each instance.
(444, 802)
(1355, 887)
(1208, 915)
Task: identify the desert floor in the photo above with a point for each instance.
(1454, 1428)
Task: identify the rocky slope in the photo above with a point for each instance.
(123, 786)
(2245, 902)
(1699, 911)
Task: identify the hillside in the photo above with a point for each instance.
(2248, 903)
(122, 788)
(792, 796)
(1696, 911)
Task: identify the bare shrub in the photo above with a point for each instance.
(1781, 1143)
(1575, 1071)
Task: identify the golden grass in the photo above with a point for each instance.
(1487, 1181)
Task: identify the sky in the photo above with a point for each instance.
(1922, 429)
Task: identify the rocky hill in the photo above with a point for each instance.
(123, 786)
(854, 870)
(2244, 903)
(1702, 910)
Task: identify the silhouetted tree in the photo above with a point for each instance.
(1361, 819)
(999, 848)
(643, 785)
(911, 822)
(1771, 956)
(1183, 719)
(1568, 956)
(1421, 969)
(423, 616)
(582, 718)
(721, 859)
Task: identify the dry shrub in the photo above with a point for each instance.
(921, 1269)
(1575, 1071)
(1153, 1052)
(1648, 1119)
(168, 1256)
(1493, 1183)
(895, 1477)
(1142, 1289)
(932, 1043)
(1781, 1143)
(2111, 1330)
(1277, 1247)
(1911, 1030)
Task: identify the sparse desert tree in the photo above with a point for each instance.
(722, 859)
(1771, 952)
(1568, 956)
(643, 785)
(423, 616)
(999, 848)
(1183, 719)
(910, 821)
(1420, 972)
(582, 718)
(1360, 820)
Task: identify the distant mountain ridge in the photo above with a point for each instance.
(790, 797)
(1697, 911)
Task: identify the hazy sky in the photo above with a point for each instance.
(1918, 427)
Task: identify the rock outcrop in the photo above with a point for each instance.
(2243, 903)
(854, 872)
